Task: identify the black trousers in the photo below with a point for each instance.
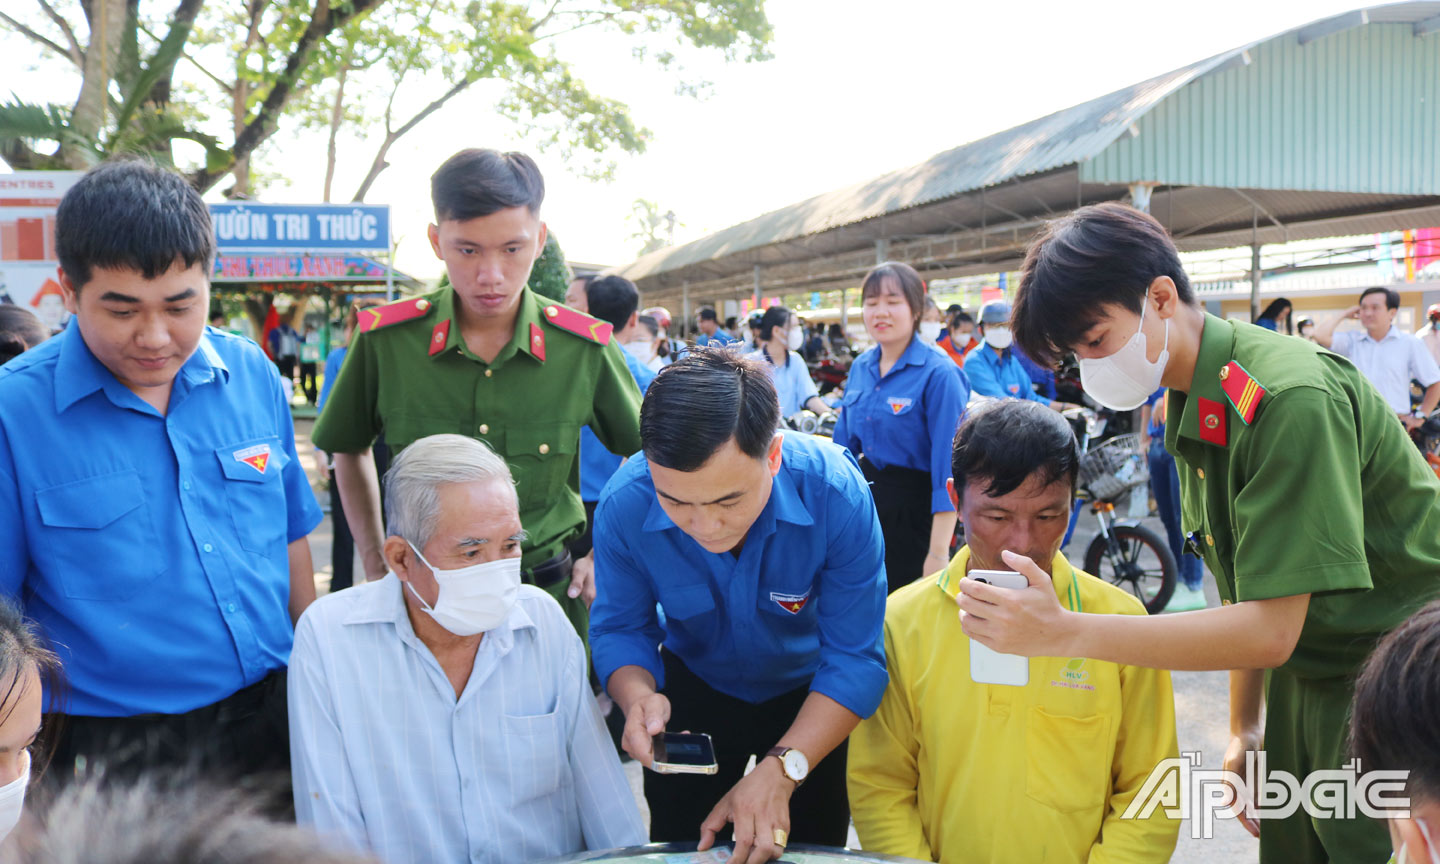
(287, 367)
(244, 739)
(342, 542)
(902, 501)
(307, 382)
(819, 809)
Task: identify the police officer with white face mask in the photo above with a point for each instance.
(448, 674)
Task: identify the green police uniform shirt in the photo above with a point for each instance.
(416, 377)
(1320, 492)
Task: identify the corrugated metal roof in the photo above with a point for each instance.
(1062, 139)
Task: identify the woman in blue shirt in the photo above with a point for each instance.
(1276, 316)
(902, 405)
(780, 339)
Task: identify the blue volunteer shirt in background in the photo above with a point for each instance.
(1042, 378)
(909, 417)
(596, 463)
(720, 338)
(804, 603)
(793, 384)
(333, 361)
(152, 549)
(1000, 376)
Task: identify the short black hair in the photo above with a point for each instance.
(1003, 443)
(475, 183)
(1397, 698)
(731, 323)
(130, 214)
(683, 418)
(707, 313)
(775, 316)
(20, 330)
(1098, 255)
(960, 316)
(613, 299)
(906, 280)
(1392, 297)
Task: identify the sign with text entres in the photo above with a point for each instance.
(251, 226)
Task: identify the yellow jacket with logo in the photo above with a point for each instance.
(953, 771)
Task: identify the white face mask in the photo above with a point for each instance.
(12, 799)
(1404, 856)
(1000, 338)
(930, 330)
(472, 599)
(643, 351)
(794, 339)
(1125, 379)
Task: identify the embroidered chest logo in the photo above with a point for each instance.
(791, 603)
(899, 403)
(257, 457)
(1073, 675)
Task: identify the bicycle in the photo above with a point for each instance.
(1124, 552)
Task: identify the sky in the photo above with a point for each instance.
(855, 89)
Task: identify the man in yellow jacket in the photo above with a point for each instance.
(950, 770)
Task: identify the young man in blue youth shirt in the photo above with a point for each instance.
(764, 550)
(153, 512)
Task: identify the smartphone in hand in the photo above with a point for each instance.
(683, 753)
(992, 667)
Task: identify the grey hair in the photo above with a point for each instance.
(161, 820)
(412, 497)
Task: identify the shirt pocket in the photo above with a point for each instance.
(255, 492)
(96, 533)
(542, 457)
(1068, 759)
(686, 601)
(535, 754)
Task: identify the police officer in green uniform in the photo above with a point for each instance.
(1309, 503)
(486, 357)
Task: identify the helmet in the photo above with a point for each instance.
(660, 314)
(1433, 312)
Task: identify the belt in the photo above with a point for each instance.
(547, 574)
(897, 478)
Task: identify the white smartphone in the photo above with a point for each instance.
(992, 667)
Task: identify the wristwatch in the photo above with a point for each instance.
(792, 762)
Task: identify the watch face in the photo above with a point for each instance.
(796, 765)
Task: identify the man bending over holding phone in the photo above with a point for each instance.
(950, 770)
(764, 551)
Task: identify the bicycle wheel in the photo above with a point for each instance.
(1136, 559)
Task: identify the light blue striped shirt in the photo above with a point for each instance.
(385, 758)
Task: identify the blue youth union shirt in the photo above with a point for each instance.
(1000, 376)
(803, 604)
(907, 418)
(596, 463)
(152, 549)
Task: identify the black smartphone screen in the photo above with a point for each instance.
(679, 748)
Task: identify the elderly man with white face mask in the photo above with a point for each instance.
(443, 713)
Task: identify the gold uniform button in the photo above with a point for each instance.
(1200, 472)
(551, 311)
(544, 448)
(1210, 539)
(1224, 372)
(484, 429)
(489, 373)
(422, 304)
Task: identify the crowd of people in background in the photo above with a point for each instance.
(567, 518)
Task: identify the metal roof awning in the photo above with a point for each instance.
(1325, 130)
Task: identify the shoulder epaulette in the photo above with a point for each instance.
(579, 323)
(392, 313)
(1243, 391)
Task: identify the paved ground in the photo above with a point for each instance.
(1201, 698)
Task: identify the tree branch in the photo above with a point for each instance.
(35, 37)
(544, 19)
(378, 164)
(77, 54)
(224, 85)
(262, 125)
(182, 21)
